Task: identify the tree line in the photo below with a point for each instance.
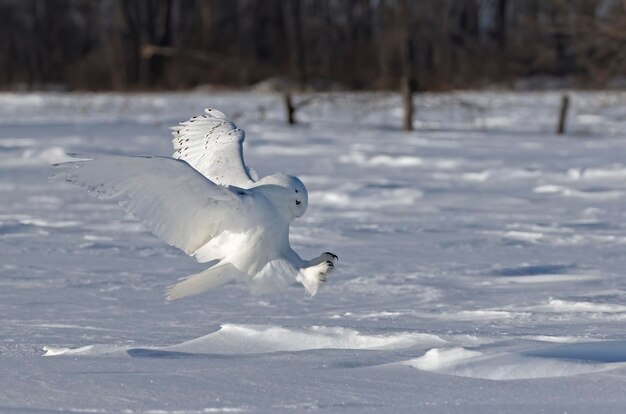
(318, 44)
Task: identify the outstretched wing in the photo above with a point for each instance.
(213, 145)
(172, 200)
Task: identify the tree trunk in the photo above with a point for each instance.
(293, 17)
(408, 66)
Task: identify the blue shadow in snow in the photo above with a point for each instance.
(547, 269)
(606, 351)
(161, 354)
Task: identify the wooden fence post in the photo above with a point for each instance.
(289, 108)
(407, 103)
(563, 114)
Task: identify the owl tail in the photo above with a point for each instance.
(201, 282)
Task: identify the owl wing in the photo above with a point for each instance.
(173, 200)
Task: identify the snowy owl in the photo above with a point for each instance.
(205, 201)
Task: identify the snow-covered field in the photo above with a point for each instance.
(481, 263)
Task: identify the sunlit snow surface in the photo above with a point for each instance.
(482, 262)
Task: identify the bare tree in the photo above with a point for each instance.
(357, 44)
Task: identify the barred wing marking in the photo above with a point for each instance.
(213, 145)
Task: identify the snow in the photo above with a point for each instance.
(481, 261)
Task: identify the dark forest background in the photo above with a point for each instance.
(309, 44)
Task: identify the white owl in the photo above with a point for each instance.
(205, 202)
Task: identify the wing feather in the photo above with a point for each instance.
(172, 199)
(213, 145)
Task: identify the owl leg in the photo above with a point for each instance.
(324, 257)
(313, 276)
